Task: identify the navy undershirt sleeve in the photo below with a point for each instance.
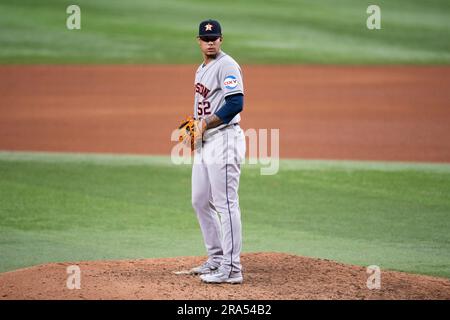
(233, 105)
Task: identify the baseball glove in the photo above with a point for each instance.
(191, 132)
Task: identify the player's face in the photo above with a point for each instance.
(210, 46)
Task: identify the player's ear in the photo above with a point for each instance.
(221, 38)
(198, 39)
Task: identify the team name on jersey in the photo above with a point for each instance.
(199, 88)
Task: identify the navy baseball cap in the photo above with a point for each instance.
(209, 28)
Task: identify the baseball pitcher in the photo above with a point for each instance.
(218, 143)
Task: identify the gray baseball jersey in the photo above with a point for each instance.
(215, 81)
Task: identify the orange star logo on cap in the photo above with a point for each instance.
(208, 27)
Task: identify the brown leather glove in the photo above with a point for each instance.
(191, 132)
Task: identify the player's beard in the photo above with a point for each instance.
(211, 55)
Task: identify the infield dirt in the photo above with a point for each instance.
(322, 112)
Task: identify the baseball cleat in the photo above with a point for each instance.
(205, 268)
(222, 277)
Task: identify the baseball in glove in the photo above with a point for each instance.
(191, 132)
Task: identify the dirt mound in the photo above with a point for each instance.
(266, 276)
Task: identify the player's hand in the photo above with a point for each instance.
(201, 127)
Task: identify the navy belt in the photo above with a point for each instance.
(226, 127)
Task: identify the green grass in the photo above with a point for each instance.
(276, 32)
(71, 207)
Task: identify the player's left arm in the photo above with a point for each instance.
(233, 89)
(233, 105)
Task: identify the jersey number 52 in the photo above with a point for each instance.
(203, 108)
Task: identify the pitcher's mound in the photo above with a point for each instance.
(266, 276)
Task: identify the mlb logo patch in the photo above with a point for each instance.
(230, 82)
